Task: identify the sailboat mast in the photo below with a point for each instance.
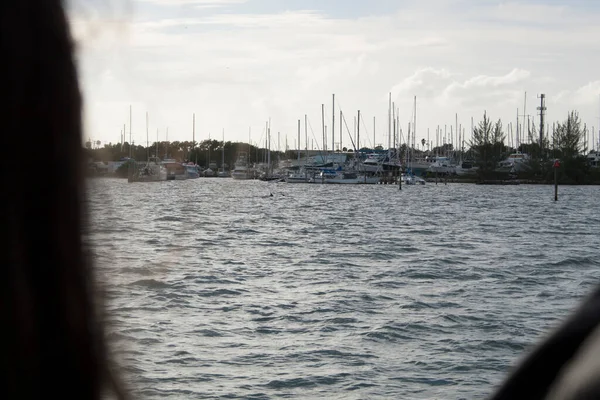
(415, 124)
(323, 125)
(341, 134)
(393, 142)
(305, 139)
(130, 119)
(374, 145)
(457, 132)
(358, 133)
(525, 115)
(390, 122)
(269, 147)
(147, 140)
(333, 124)
(398, 129)
(518, 139)
(298, 142)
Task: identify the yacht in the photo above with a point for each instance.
(241, 169)
(153, 171)
(191, 171)
(442, 165)
(515, 162)
(410, 179)
(298, 176)
(344, 177)
(466, 168)
(593, 159)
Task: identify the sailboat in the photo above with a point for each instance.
(223, 172)
(153, 171)
(408, 177)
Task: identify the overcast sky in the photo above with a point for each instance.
(237, 63)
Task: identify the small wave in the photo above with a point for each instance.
(219, 292)
(290, 383)
(150, 284)
(169, 218)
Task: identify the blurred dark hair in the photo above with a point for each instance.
(51, 336)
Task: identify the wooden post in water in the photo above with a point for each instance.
(399, 179)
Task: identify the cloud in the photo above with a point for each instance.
(198, 3)
(426, 82)
(236, 69)
(588, 94)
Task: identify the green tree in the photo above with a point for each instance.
(569, 137)
(487, 143)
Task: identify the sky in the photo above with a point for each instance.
(237, 64)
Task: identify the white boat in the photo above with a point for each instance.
(153, 171)
(241, 169)
(466, 168)
(175, 170)
(223, 173)
(420, 165)
(299, 176)
(515, 162)
(442, 165)
(410, 179)
(344, 178)
(191, 171)
(593, 159)
(373, 162)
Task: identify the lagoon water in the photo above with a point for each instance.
(216, 289)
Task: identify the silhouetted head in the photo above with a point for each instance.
(51, 337)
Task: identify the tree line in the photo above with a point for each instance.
(566, 143)
(204, 153)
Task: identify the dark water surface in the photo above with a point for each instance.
(216, 289)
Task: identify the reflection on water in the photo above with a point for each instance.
(217, 289)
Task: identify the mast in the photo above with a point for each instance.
(323, 125)
(223, 152)
(457, 132)
(518, 139)
(249, 148)
(358, 133)
(333, 124)
(525, 115)
(353, 138)
(415, 125)
(298, 142)
(305, 140)
(374, 145)
(390, 122)
(269, 148)
(147, 141)
(130, 131)
(393, 141)
(156, 142)
(472, 127)
(194, 135)
(341, 119)
(394, 127)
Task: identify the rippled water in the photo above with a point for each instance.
(216, 289)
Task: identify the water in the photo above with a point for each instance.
(216, 289)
